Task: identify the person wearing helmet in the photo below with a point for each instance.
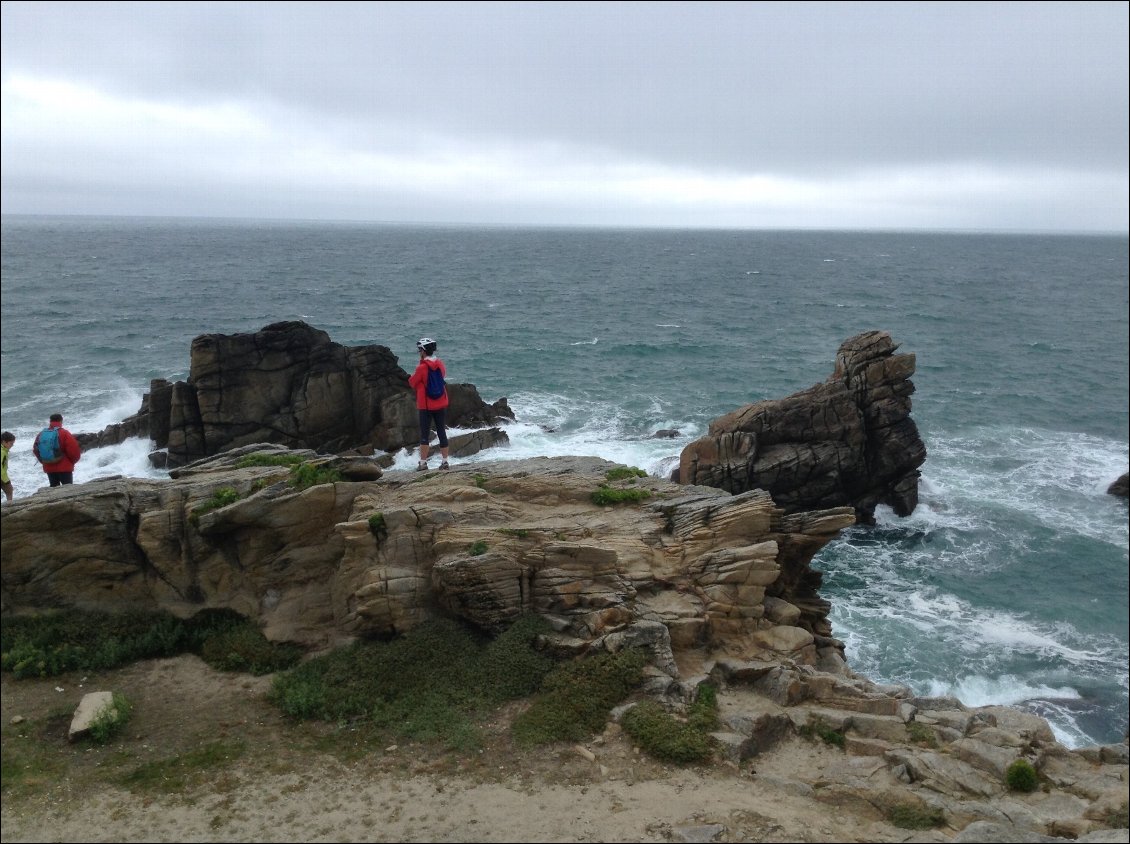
(430, 382)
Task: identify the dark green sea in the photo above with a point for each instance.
(1008, 584)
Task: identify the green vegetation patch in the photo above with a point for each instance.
(915, 816)
(577, 696)
(53, 643)
(305, 475)
(609, 495)
(478, 548)
(222, 497)
(1021, 776)
(179, 773)
(673, 739)
(625, 473)
(428, 684)
(377, 526)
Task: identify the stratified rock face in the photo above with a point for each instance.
(849, 441)
(686, 568)
(288, 384)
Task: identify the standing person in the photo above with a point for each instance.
(7, 440)
(430, 383)
(58, 451)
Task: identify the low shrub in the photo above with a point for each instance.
(52, 643)
(576, 697)
(478, 548)
(247, 650)
(673, 739)
(1021, 776)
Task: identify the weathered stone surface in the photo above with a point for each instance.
(849, 441)
(689, 568)
(290, 384)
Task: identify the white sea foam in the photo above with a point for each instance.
(1058, 479)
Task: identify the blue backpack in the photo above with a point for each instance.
(435, 385)
(50, 449)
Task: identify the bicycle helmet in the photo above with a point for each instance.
(426, 344)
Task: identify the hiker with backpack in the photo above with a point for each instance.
(429, 381)
(58, 451)
(7, 440)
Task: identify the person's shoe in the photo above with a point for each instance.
(422, 466)
(444, 465)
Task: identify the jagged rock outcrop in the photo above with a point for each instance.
(1120, 487)
(848, 441)
(688, 567)
(289, 384)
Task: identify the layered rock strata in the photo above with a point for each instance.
(685, 568)
(848, 441)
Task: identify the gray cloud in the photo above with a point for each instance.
(1006, 115)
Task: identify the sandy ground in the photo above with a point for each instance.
(315, 782)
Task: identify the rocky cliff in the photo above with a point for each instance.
(288, 384)
(682, 567)
(849, 441)
(715, 586)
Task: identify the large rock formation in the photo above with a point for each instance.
(686, 568)
(287, 384)
(714, 586)
(849, 441)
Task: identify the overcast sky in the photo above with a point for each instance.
(830, 115)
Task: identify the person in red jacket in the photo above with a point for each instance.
(431, 408)
(61, 469)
